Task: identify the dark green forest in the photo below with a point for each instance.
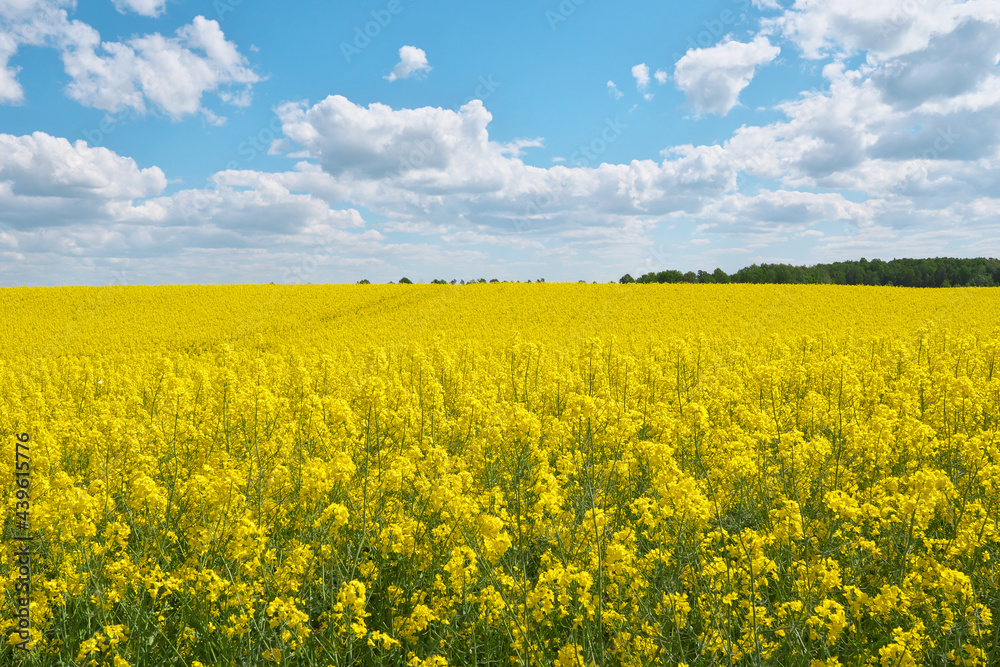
(937, 272)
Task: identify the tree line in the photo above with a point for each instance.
(936, 272)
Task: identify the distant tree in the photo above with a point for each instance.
(669, 276)
(981, 279)
(936, 272)
(405, 281)
(626, 279)
(438, 282)
(821, 276)
(452, 281)
(494, 280)
(364, 281)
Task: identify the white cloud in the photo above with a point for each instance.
(249, 203)
(641, 74)
(26, 23)
(144, 7)
(170, 74)
(40, 165)
(471, 237)
(379, 142)
(952, 64)
(77, 207)
(884, 29)
(516, 147)
(10, 89)
(857, 135)
(781, 210)
(411, 61)
(24, 9)
(612, 90)
(911, 138)
(417, 163)
(46, 181)
(713, 78)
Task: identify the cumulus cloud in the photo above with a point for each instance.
(10, 90)
(785, 210)
(170, 74)
(12, 10)
(612, 90)
(884, 29)
(877, 130)
(431, 161)
(26, 23)
(47, 181)
(40, 165)
(952, 64)
(450, 147)
(913, 131)
(63, 179)
(248, 204)
(713, 78)
(411, 61)
(72, 206)
(151, 8)
(640, 73)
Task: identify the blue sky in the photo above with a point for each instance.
(161, 141)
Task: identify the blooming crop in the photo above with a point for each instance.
(518, 474)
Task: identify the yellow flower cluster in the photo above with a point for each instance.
(566, 475)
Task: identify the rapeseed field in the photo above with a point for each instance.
(503, 474)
